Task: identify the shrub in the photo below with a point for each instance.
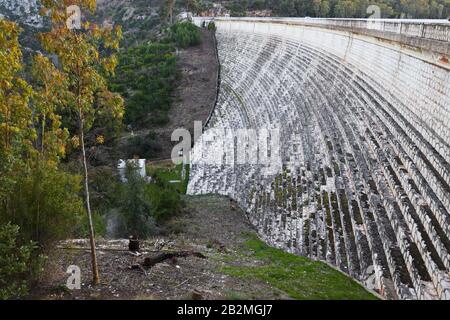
(165, 199)
(135, 205)
(19, 264)
(98, 221)
(46, 204)
(212, 26)
(185, 34)
(143, 146)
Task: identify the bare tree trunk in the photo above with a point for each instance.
(170, 6)
(96, 278)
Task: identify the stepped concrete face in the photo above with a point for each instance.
(361, 178)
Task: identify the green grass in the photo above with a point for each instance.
(233, 295)
(170, 172)
(299, 277)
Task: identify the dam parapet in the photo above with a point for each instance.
(363, 113)
(433, 35)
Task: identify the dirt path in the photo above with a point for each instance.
(209, 226)
(195, 93)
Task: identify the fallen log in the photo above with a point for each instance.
(111, 249)
(151, 261)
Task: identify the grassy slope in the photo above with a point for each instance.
(168, 172)
(299, 277)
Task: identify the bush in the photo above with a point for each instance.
(185, 34)
(165, 199)
(135, 205)
(144, 147)
(98, 221)
(46, 204)
(212, 26)
(19, 264)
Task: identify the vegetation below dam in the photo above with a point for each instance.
(234, 265)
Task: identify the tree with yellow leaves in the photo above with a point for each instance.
(85, 55)
(50, 92)
(16, 133)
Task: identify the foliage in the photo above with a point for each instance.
(300, 277)
(98, 223)
(195, 6)
(143, 146)
(45, 203)
(146, 75)
(103, 182)
(49, 94)
(168, 172)
(16, 133)
(345, 8)
(19, 264)
(85, 57)
(165, 200)
(143, 204)
(145, 78)
(135, 205)
(35, 194)
(137, 19)
(212, 26)
(185, 34)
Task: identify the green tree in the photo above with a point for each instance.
(324, 8)
(85, 56)
(135, 205)
(415, 8)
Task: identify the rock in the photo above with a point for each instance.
(195, 295)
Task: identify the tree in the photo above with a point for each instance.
(50, 92)
(85, 56)
(415, 8)
(192, 5)
(324, 8)
(135, 205)
(34, 192)
(16, 132)
(170, 6)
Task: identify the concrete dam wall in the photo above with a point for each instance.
(361, 175)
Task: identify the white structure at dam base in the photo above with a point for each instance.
(363, 112)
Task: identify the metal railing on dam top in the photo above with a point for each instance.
(438, 30)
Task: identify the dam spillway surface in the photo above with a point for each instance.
(363, 113)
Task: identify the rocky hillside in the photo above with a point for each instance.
(23, 11)
(140, 19)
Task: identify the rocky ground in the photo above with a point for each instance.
(209, 226)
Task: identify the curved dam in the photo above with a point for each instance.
(334, 136)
